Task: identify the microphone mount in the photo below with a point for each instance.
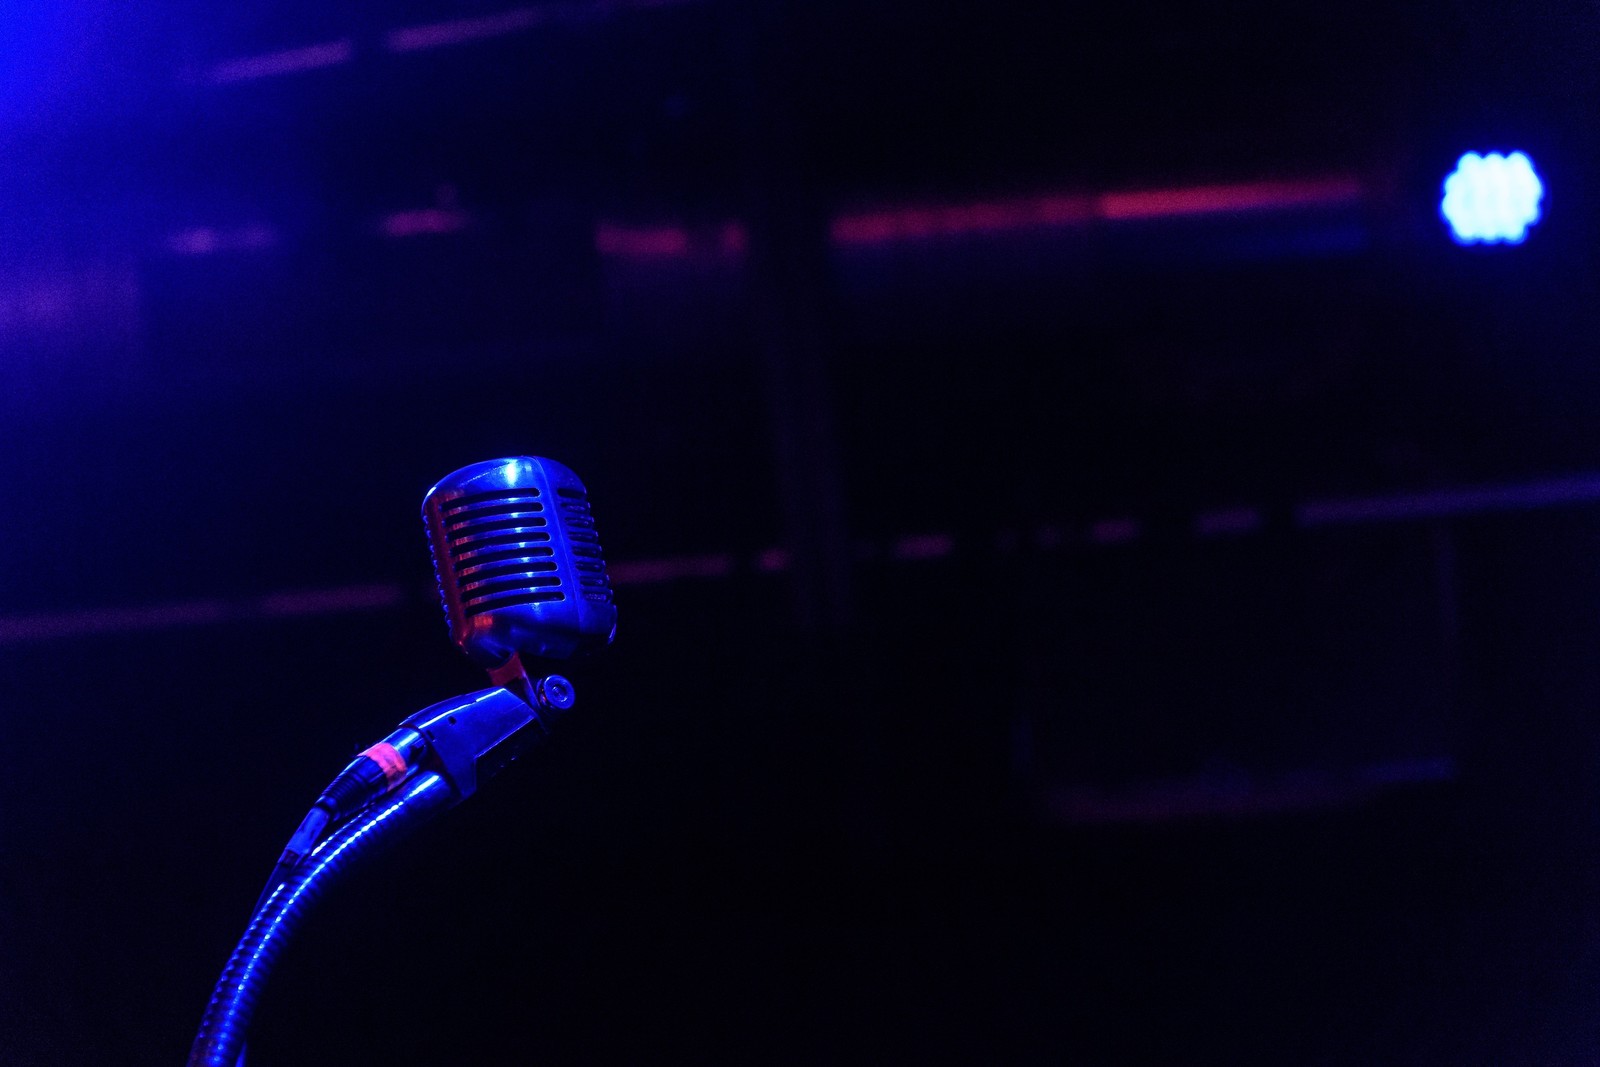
(478, 739)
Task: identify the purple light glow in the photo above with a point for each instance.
(1575, 489)
(923, 546)
(1226, 522)
(773, 559)
(656, 242)
(501, 23)
(45, 626)
(331, 601)
(428, 220)
(1115, 531)
(461, 31)
(641, 572)
(311, 57)
(204, 240)
(37, 305)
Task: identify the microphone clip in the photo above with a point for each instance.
(550, 693)
(476, 736)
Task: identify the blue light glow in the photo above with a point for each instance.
(1491, 199)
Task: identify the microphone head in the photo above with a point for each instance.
(519, 562)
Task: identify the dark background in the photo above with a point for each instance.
(1011, 756)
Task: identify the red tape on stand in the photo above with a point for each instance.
(388, 758)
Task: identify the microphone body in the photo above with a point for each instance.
(519, 563)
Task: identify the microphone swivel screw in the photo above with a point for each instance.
(554, 693)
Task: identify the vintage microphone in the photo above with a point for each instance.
(523, 580)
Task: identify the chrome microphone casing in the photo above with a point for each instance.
(519, 562)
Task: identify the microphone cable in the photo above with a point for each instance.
(380, 769)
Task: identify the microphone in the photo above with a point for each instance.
(519, 564)
(522, 578)
(523, 581)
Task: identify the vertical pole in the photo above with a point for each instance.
(790, 302)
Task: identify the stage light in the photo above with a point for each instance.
(1491, 199)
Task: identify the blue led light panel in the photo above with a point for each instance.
(1491, 199)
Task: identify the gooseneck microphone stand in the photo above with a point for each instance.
(523, 581)
(221, 1040)
(431, 763)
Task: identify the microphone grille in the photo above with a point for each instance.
(518, 561)
(577, 520)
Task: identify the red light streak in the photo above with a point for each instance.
(910, 223)
(1227, 199)
(919, 223)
